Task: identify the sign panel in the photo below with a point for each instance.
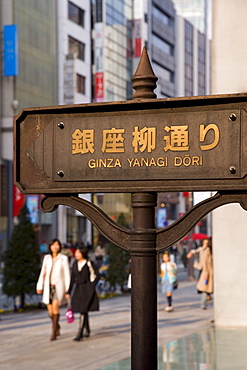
(164, 146)
(169, 144)
(10, 50)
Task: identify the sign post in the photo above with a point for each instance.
(143, 146)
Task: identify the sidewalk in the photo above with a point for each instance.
(25, 336)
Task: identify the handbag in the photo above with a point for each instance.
(69, 314)
(197, 265)
(175, 285)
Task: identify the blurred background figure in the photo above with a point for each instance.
(100, 253)
(168, 278)
(183, 253)
(205, 266)
(173, 253)
(67, 251)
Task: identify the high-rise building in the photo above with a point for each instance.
(179, 52)
(193, 60)
(74, 51)
(162, 45)
(112, 50)
(74, 86)
(154, 27)
(27, 79)
(195, 11)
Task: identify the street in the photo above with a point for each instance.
(25, 336)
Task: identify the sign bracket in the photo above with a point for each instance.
(121, 236)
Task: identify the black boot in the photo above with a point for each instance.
(86, 325)
(79, 335)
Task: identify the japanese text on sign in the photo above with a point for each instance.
(176, 138)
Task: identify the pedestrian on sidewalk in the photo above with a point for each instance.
(84, 277)
(205, 264)
(100, 254)
(184, 252)
(53, 282)
(168, 278)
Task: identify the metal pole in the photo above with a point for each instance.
(143, 251)
(144, 283)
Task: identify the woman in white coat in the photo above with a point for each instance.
(53, 282)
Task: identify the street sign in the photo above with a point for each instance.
(143, 146)
(182, 144)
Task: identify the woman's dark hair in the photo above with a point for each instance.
(209, 239)
(210, 244)
(84, 251)
(54, 241)
(166, 252)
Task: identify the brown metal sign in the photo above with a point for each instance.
(164, 144)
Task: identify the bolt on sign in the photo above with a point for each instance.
(163, 144)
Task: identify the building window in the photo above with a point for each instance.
(80, 84)
(201, 64)
(162, 45)
(162, 17)
(166, 76)
(188, 59)
(76, 47)
(76, 14)
(115, 14)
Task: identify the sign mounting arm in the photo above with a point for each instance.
(170, 235)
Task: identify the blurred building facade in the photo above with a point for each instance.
(53, 66)
(27, 79)
(74, 86)
(195, 11)
(80, 51)
(112, 34)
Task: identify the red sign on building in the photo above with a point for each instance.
(138, 39)
(99, 87)
(18, 201)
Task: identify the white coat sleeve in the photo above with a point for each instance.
(66, 273)
(40, 283)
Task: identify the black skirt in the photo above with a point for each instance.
(84, 297)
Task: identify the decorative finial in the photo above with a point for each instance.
(144, 80)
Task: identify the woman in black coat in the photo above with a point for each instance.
(84, 277)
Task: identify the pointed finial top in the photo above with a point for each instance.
(144, 80)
